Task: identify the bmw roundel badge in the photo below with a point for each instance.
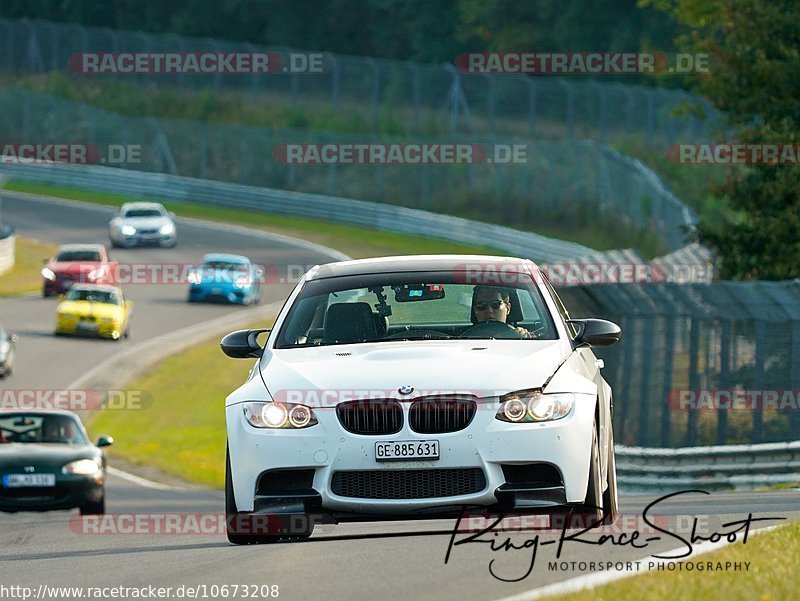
(405, 389)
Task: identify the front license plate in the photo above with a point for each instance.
(407, 450)
(24, 480)
(87, 326)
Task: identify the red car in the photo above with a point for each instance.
(75, 263)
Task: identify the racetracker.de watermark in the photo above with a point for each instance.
(580, 273)
(196, 63)
(581, 63)
(476, 522)
(194, 523)
(441, 153)
(734, 154)
(48, 153)
(734, 399)
(73, 399)
(127, 274)
(366, 398)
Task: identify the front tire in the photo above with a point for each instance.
(611, 494)
(589, 513)
(94, 507)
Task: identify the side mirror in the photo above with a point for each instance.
(242, 344)
(13, 338)
(596, 332)
(104, 441)
(61, 296)
(172, 215)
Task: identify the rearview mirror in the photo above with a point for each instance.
(407, 293)
(596, 332)
(242, 344)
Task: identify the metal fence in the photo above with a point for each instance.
(139, 184)
(700, 364)
(563, 184)
(389, 94)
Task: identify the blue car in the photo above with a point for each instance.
(225, 278)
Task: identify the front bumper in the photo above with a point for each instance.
(224, 293)
(59, 285)
(68, 493)
(145, 239)
(63, 283)
(486, 445)
(96, 329)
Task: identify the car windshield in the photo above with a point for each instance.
(143, 213)
(66, 256)
(412, 306)
(224, 266)
(93, 296)
(37, 428)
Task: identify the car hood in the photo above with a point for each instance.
(74, 267)
(479, 367)
(44, 457)
(145, 222)
(84, 308)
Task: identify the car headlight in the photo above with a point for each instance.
(279, 415)
(166, 229)
(82, 467)
(93, 275)
(128, 230)
(48, 274)
(527, 406)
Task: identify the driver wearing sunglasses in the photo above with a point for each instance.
(494, 304)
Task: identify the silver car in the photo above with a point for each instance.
(143, 224)
(7, 342)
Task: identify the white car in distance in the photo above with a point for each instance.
(143, 224)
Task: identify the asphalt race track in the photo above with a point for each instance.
(389, 560)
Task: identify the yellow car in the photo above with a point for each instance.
(94, 310)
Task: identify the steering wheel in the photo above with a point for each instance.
(491, 329)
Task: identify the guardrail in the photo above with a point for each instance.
(729, 467)
(140, 184)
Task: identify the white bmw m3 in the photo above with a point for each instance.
(418, 387)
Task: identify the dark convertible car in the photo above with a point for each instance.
(47, 462)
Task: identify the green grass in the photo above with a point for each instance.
(25, 276)
(773, 575)
(265, 108)
(357, 242)
(187, 415)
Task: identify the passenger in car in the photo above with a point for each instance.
(491, 303)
